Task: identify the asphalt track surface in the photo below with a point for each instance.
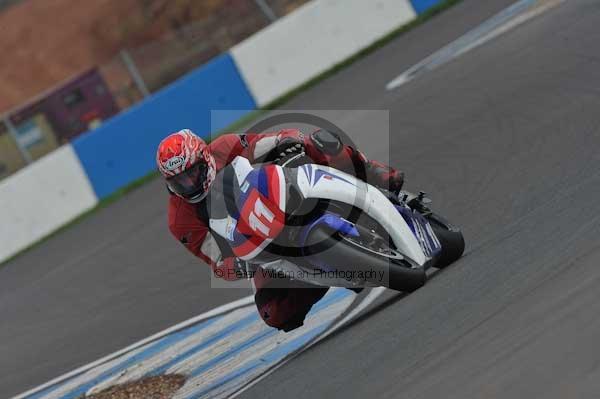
(505, 141)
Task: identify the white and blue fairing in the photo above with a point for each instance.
(410, 232)
(411, 235)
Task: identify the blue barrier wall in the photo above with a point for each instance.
(122, 150)
(421, 6)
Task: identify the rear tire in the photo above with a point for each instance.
(326, 247)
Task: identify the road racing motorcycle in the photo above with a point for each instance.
(313, 223)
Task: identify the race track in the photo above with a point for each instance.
(505, 141)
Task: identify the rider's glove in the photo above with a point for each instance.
(288, 146)
(231, 269)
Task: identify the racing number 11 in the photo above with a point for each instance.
(254, 219)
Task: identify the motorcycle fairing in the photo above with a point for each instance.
(317, 181)
(260, 208)
(422, 230)
(336, 223)
(261, 199)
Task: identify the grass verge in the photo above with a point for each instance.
(252, 116)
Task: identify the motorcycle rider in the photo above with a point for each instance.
(189, 166)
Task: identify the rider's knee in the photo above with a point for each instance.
(286, 308)
(276, 311)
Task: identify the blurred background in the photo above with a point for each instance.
(75, 64)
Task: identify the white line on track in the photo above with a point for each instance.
(204, 316)
(145, 366)
(220, 350)
(256, 354)
(369, 299)
(508, 19)
(69, 384)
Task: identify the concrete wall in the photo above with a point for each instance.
(422, 6)
(42, 197)
(311, 40)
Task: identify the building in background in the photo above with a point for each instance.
(73, 107)
(54, 118)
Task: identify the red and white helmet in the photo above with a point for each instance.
(187, 165)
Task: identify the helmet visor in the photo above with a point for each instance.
(190, 183)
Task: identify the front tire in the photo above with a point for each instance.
(329, 248)
(451, 239)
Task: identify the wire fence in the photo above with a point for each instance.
(83, 102)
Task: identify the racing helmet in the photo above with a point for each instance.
(185, 162)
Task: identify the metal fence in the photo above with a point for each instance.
(83, 102)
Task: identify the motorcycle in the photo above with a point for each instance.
(313, 223)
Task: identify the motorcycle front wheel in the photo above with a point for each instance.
(380, 264)
(451, 239)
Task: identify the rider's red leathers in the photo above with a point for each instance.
(283, 308)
